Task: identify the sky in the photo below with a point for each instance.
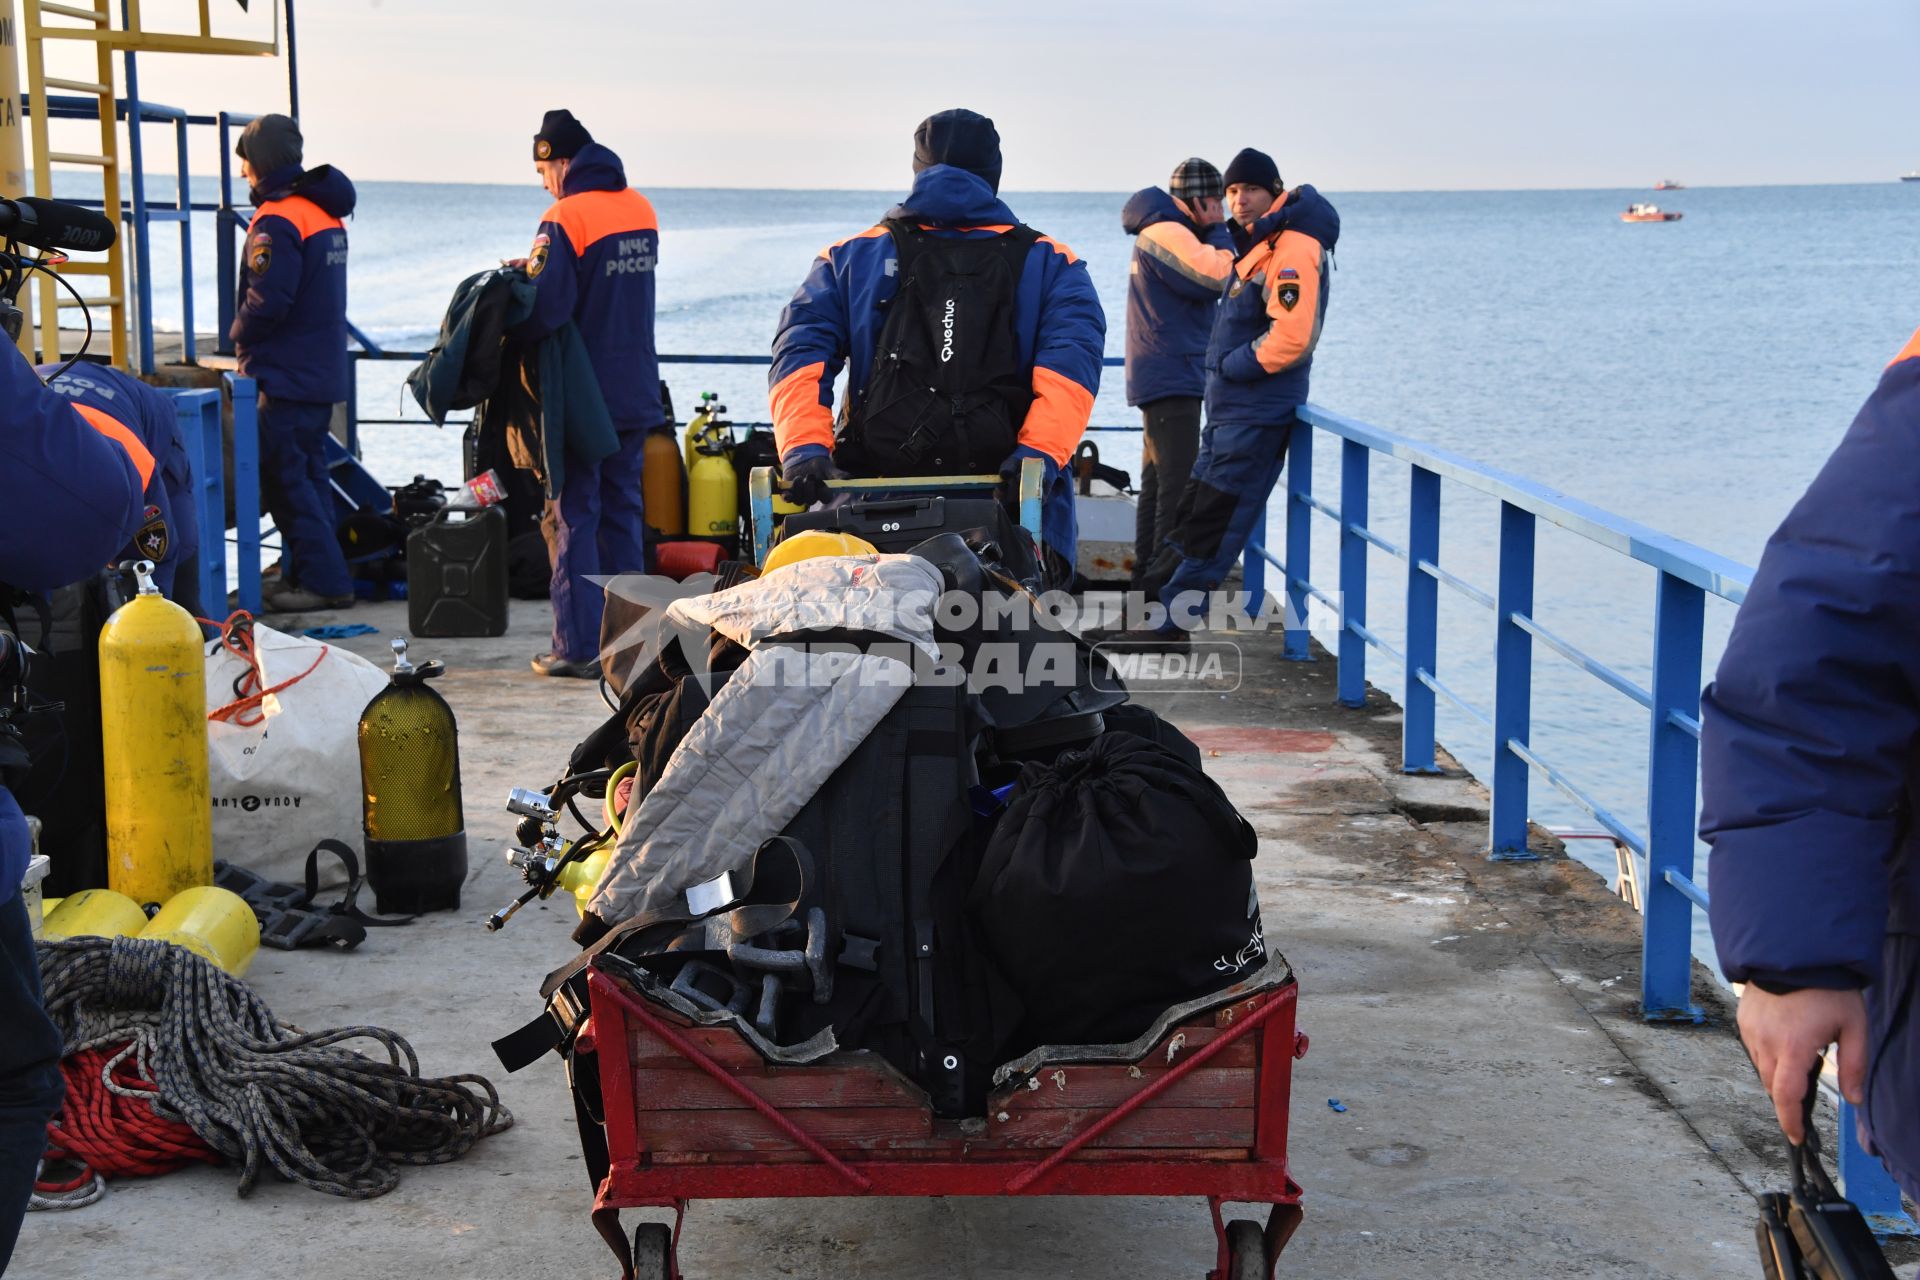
(1349, 94)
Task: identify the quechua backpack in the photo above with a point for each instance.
(948, 390)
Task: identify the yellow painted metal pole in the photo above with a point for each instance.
(153, 721)
(13, 143)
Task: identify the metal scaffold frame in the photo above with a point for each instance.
(54, 97)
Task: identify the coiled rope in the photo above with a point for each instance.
(261, 1093)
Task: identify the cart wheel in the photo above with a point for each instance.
(1247, 1251)
(653, 1252)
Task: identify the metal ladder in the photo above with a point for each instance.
(44, 21)
(88, 25)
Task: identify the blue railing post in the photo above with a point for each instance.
(1423, 623)
(1512, 683)
(1866, 1182)
(1353, 572)
(183, 199)
(1299, 557)
(142, 246)
(226, 264)
(1673, 767)
(353, 407)
(246, 490)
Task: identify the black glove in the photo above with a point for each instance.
(807, 478)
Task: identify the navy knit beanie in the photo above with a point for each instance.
(270, 143)
(1254, 168)
(561, 137)
(964, 139)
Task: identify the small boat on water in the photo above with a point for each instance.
(1668, 184)
(1649, 213)
(1911, 177)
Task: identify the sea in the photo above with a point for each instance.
(1690, 375)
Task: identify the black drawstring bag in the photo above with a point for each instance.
(1813, 1232)
(1118, 882)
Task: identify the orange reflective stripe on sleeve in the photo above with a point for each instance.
(123, 435)
(1058, 417)
(591, 216)
(1179, 248)
(1909, 351)
(1293, 302)
(868, 234)
(1060, 249)
(798, 416)
(308, 218)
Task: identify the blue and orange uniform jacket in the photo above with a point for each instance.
(1810, 753)
(593, 262)
(834, 321)
(1174, 284)
(290, 329)
(1265, 330)
(70, 497)
(169, 533)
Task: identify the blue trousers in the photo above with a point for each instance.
(1232, 479)
(299, 495)
(595, 530)
(29, 1068)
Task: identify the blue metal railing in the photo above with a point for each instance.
(1685, 576)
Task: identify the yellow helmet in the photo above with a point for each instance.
(809, 544)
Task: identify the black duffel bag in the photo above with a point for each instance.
(1118, 882)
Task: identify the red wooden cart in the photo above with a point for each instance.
(694, 1112)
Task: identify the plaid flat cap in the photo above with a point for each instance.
(1195, 179)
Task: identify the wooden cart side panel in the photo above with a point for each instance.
(1008, 1157)
(877, 1130)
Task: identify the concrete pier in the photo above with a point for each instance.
(1507, 1114)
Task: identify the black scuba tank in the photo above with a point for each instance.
(410, 793)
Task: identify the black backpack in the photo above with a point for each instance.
(948, 390)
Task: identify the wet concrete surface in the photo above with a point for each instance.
(1507, 1114)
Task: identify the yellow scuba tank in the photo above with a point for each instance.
(663, 483)
(94, 913)
(410, 791)
(713, 502)
(710, 408)
(215, 924)
(153, 725)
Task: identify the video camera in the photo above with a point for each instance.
(51, 226)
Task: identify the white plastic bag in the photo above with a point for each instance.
(293, 779)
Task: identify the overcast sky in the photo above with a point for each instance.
(1349, 94)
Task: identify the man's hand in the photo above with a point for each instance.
(1207, 210)
(807, 475)
(516, 264)
(1784, 1034)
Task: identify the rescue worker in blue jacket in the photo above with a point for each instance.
(290, 332)
(835, 320)
(593, 262)
(70, 497)
(1809, 778)
(1259, 359)
(169, 533)
(1182, 260)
